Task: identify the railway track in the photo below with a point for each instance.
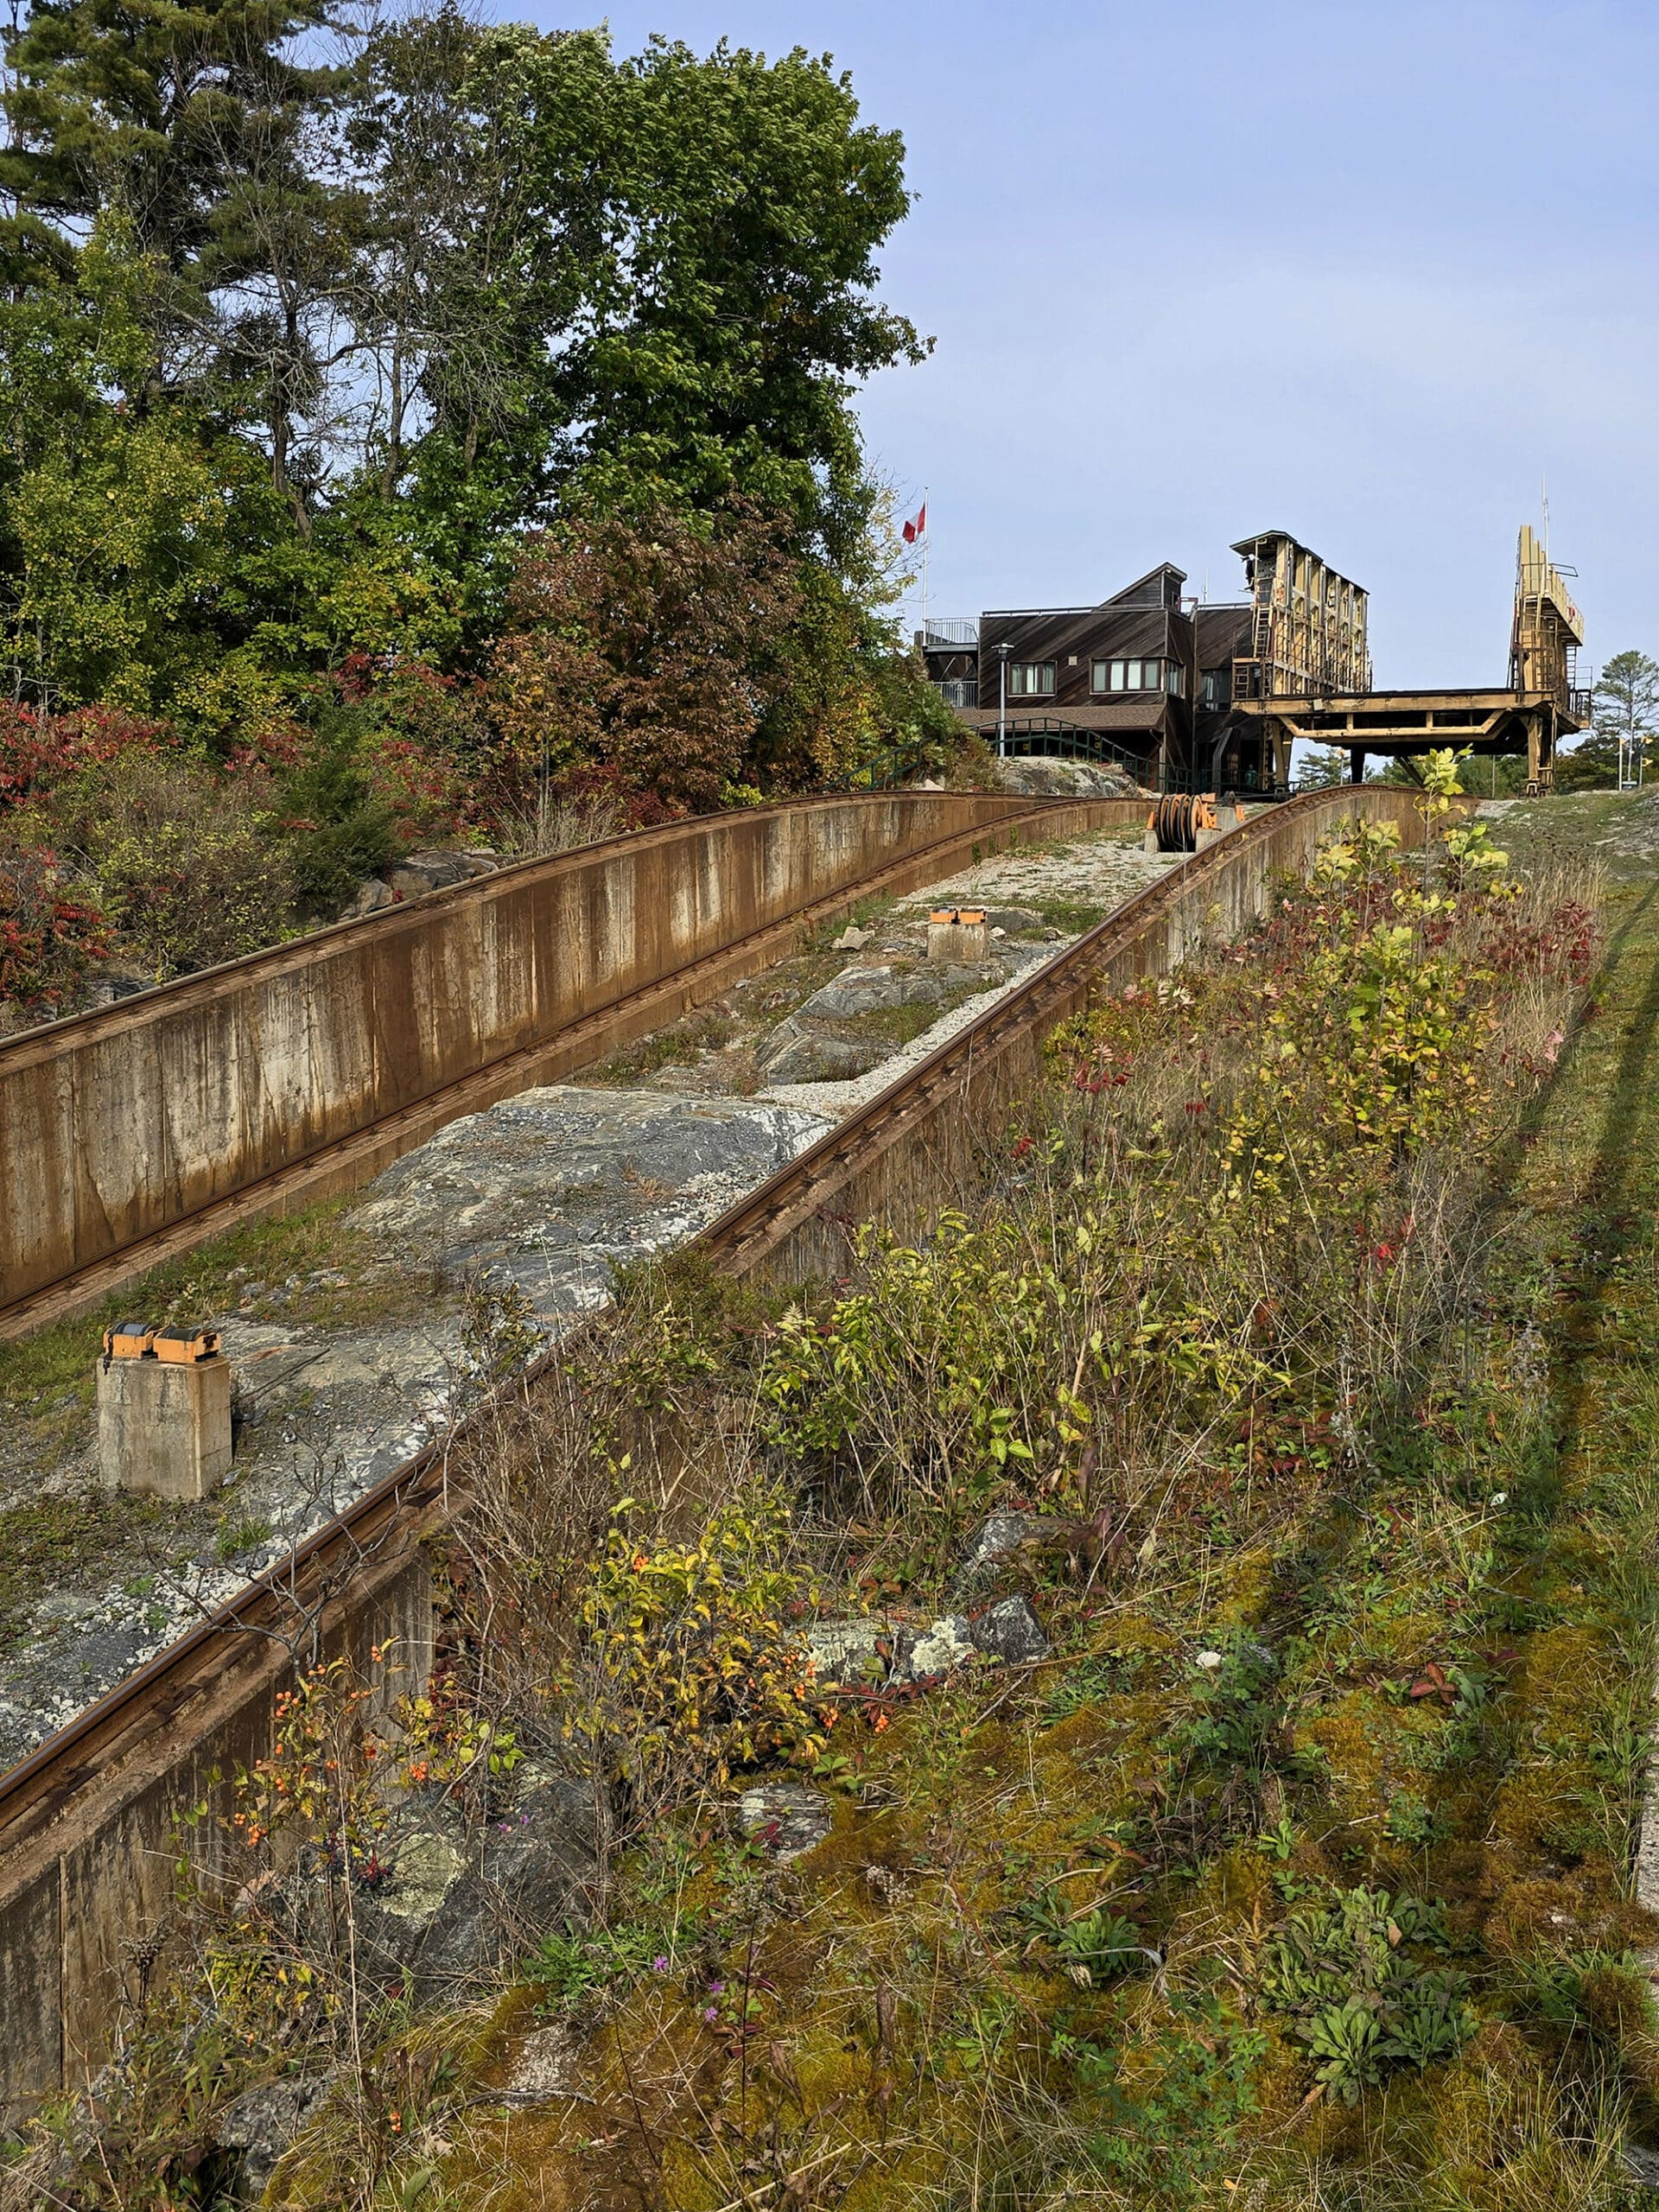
(80, 1780)
(354, 1156)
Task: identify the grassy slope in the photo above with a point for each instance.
(1463, 1650)
(913, 2036)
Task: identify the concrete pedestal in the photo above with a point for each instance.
(958, 941)
(164, 1428)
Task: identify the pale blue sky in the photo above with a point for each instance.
(1366, 273)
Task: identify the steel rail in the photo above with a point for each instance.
(407, 1501)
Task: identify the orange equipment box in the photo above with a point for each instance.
(128, 1340)
(183, 1347)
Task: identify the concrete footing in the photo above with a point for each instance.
(958, 942)
(164, 1428)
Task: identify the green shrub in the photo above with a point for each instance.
(1358, 1996)
(191, 869)
(339, 830)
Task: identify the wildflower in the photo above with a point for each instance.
(659, 1964)
(716, 1989)
(710, 2014)
(641, 1562)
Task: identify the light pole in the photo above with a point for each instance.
(1002, 703)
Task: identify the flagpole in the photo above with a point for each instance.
(923, 564)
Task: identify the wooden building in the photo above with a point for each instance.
(1192, 696)
(1150, 679)
(1144, 680)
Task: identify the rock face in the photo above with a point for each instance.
(873, 988)
(1066, 778)
(256, 2128)
(856, 1652)
(1010, 1632)
(554, 1189)
(461, 1904)
(1002, 1538)
(793, 1054)
(412, 876)
(785, 1818)
(435, 871)
(803, 1049)
(939, 1648)
(847, 1651)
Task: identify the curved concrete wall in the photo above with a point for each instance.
(118, 1123)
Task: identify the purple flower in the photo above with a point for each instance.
(710, 2014)
(659, 1966)
(716, 1988)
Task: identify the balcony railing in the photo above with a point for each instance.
(959, 691)
(949, 630)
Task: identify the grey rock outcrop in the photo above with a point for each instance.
(371, 895)
(804, 1048)
(785, 1818)
(1066, 779)
(554, 1189)
(1009, 1631)
(1001, 1540)
(793, 1054)
(255, 2129)
(846, 1651)
(457, 1901)
(417, 873)
(462, 1903)
(941, 1646)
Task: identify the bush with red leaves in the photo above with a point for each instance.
(40, 752)
(46, 941)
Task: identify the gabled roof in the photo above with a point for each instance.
(1160, 586)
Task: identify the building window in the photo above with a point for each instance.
(1215, 687)
(1174, 675)
(1030, 679)
(1132, 675)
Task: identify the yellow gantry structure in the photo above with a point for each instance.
(1307, 634)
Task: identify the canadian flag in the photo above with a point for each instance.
(913, 530)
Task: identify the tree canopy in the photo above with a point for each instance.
(1625, 720)
(308, 335)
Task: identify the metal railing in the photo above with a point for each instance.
(958, 690)
(1044, 737)
(950, 629)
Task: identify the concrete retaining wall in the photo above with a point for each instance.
(121, 1124)
(82, 1895)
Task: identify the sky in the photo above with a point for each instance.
(1377, 275)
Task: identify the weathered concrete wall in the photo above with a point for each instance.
(90, 1881)
(122, 1122)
